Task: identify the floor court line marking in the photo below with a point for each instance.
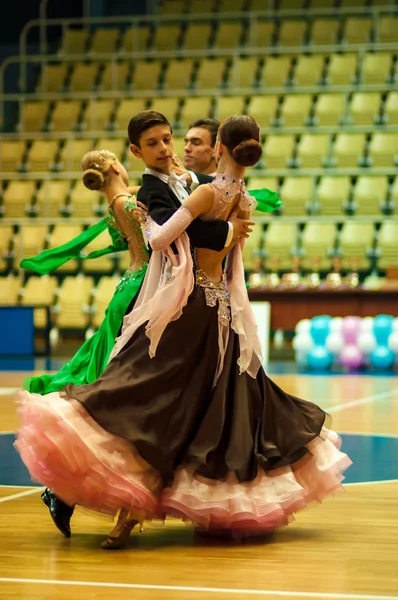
(21, 494)
(370, 482)
(17, 487)
(204, 590)
(360, 401)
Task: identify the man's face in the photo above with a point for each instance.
(198, 151)
(156, 148)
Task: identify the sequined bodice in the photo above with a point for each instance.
(226, 188)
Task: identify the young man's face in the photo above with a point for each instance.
(198, 151)
(156, 148)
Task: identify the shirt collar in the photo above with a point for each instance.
(161, 176)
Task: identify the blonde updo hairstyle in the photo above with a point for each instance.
(95, 167)
(240, 134)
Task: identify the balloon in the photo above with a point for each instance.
(382, 358)
(336, 324)
(366, 325)
(303, 326)
(320, 329)
(393, 342)
(351, 329)
(351, 356)
(366, 342)
(334, 343)
(395, 325)
(382, 328)
(303, 342)
(320, 359)
(302, 359)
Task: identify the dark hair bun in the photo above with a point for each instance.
(92, 179)
(247, 153)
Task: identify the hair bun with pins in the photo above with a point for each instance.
(93, 179)
(247, 153)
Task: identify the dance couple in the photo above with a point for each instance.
(183, 421)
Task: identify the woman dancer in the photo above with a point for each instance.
(184, 421)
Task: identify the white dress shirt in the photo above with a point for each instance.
(177, 185)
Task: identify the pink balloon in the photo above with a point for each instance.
(350, 331)
(351, 357)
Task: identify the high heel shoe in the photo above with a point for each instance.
(122, 529)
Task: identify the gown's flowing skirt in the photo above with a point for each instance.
(92, 357)
(156, 437)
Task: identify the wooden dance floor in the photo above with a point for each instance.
(346, 548)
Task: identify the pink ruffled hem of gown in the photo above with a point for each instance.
(66, 450)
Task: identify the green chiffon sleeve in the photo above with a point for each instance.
(268, 201)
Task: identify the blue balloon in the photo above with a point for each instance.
(382, 358)
(320, 329)
(382, 328)
(320, 359)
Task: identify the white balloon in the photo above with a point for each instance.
(395, 324)
(366, 342)
(303, 342)
(303, 326)
(393, 342)
(335, 343)
(366, 325)
(336, 324)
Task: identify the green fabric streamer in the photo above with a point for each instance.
(268, 201)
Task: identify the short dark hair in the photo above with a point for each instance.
(144, 121)
(211, 125)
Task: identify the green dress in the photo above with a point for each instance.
(92, 357)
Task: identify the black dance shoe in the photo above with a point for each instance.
(60, 512)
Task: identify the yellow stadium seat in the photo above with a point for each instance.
(252, 246)
(98, 115)
(39, 290)
(332, 195)
(51, 198)
(231, 5)
(115, 145)
(83, 202)
(290, 4)
(276, 71)
(167, 106)
(11, 155)
(391, 109)
(115, 76)
(211, 73)
(42, 155)
(104, 40)
(52, 78)
(388, 29)
(279, 242)
(102, 296)
(126, 110)
(146, 75)
(348, 149)
(313, 150)
(179, 145)
(167, 37)
(229, 105)
(74, 41)
(364, 108)
(308, 70)
(61, 235)
(370, 193)
(342, 69)
(229, 35)
(33, 116)
(355, 240)
(73, 301)
(179, 74)
(376, 68)
(172, 7)
(317, 241)
(383, 149)
(84, 77)
(9, 289)
(387, 244)
(296, 110)
(194, 107)
(244, 73)
(261, 33)
(278, 150)
(6, 242)
(72, 154)
(17, 198)
(204, 6)
(292, 33)
(263, 109)
(65, 116)
(394, 193)
(136, 39)
(32, 239)
(322, 3)
(103, 264)
(297, 195)
(197, 36)
(357, 30)
(329, 109)
(324, 32)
